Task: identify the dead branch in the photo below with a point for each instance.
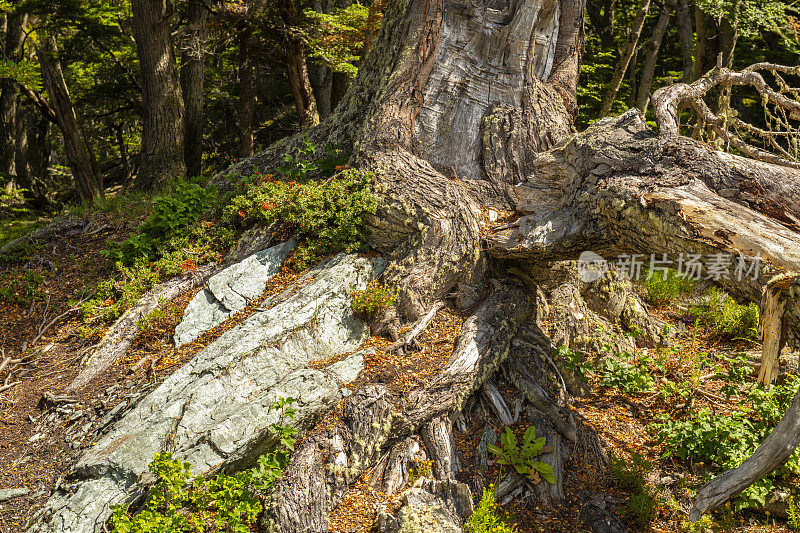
(668, 102)
(406, 340)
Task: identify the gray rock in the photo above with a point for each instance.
(8, 494)
(429, 506)
(230, 290)
(215, 411)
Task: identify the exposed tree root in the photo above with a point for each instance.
(120, 337)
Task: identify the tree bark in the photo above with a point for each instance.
(296, 67)
(79, 157)
(192, 65)
(625, 57)
(458, 109)
(162, 155)
(686, 38)
(9, 93)
(651, 55)
(246, 93)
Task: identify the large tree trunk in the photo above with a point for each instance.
(246, 93)
(686, 37)
(192, 64)
(9, 92)
(79, 157)
(296, 67)
(162, 103)
(462, 108)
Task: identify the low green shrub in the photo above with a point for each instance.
(666, 286)
(726, 440)
(172, 213)
(328, 214)
(621, 371)
(794, 514)
(575, 363)
(727, 318)
(643, 506)
(372, 299)
(523, 458)
(629, 472)
(486, 518)
(644, 503)
(223, 503)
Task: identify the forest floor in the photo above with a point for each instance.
(43, 432)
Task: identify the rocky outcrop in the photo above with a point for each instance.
(230, 291)
(215, 411)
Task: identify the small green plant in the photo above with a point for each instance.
(575, 363)
(171, 215)
(222, 503)
(372, 299)
(666, 286)
(24, 289)
(727, 318)
(621, 372)
(644, 504)
(301, 163)
(794, 514)
(523, 458)
(485, 518)
(629, 472)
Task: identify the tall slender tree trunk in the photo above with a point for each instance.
(729, 33)
(296, 68)
(651, 55)
(686, 38)
(192, 64)
(79, 157)
(707, 43)
(9, 92)
(246, 92)
(162, 155)
(625, 58)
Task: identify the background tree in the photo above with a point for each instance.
(162, 102)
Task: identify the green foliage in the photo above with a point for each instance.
(727, 318)
(523, 458)
(629, 472)
(171, 214)
(485, 518)
(329, 214)
(226, 502)
(372, 299)
(575, 363)
(338, 38)
(794, 514)
(753, 16)
(667, 286)
(622, 372)
(644, 503)
(643, 506)
(24, 289)
(24, 72)
(726, 440)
